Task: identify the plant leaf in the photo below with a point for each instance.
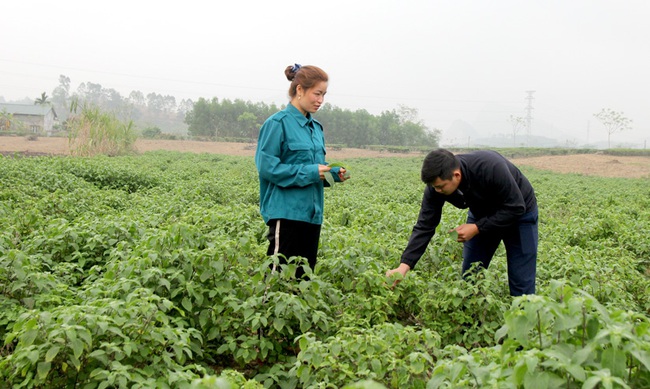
(330, 178)
(43, 368)
(51, 353)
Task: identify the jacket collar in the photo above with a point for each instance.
(300, 118)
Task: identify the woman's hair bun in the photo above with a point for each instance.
(291, 71)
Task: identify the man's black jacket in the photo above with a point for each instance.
(495, 191)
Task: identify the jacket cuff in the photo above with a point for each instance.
(335, 173)
(410, 262)
(480, 224)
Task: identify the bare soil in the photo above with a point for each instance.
(587, 164)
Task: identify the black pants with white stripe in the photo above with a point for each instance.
(293, 238)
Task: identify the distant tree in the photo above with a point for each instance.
(413, 131)
(238, 118)
(249, 125)
(155, 102)
(169, 104)
(113, 100)
(43, 100)
(91, 93)
(61, 97)
(433, 137)
(613, 121)
(389, 125)
(517, 123)
(185, 106)
(226, 115)
(408, 114)
(201, 121)
(137, 98)
(363, 130)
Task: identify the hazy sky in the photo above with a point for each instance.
(469, 60)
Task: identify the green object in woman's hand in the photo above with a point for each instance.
(330, 177)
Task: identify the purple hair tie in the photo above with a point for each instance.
(295, 67)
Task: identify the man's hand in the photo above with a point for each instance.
(466, 232)
(401, 269)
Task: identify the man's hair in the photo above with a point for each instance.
(439, 163)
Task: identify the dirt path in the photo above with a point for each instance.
(588, 164)
(592, 165)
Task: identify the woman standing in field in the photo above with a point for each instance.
(290, 159)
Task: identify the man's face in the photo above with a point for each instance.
(447, 187)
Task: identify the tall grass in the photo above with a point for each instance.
(93, 132)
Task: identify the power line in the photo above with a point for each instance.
(214, 84)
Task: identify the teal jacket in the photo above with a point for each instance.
(289, 149)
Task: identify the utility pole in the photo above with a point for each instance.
(529, 114)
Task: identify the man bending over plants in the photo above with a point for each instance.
(502, 207)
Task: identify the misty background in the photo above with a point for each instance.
(465, 66)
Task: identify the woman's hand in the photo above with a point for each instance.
(322, 169)
(342, 174)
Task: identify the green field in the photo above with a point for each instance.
(150, 272)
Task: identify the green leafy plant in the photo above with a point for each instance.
(151, 271)
(400, 356)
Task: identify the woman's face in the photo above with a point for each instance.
(310, 100)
